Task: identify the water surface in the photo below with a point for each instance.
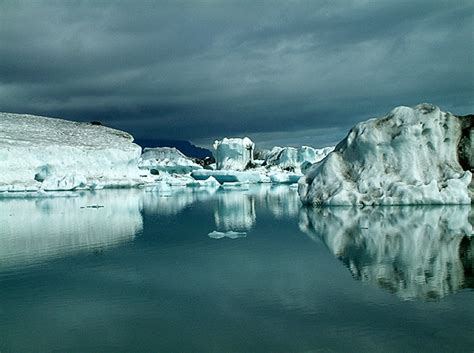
(198, 270)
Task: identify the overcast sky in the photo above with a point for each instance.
(282, 72)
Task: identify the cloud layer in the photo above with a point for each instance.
(282, 71)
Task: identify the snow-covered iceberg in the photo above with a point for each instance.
(415, 252)
(167, 159)
(233, 153)
(292, 159)
(39, 153)
(408, 157)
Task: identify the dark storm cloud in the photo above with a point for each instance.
(276, 70)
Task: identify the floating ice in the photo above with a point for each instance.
(407, 157)
(167, 159)
(229, 234)
(291, 158)
(228, 176)
(38, 153)
(233, 153)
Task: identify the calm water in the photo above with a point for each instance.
(232, 271)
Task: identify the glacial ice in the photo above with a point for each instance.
(229, 234)
(229, 176)
(291, 158)
(39, 153)
(233, 153)
(167, 159)
(407, 157)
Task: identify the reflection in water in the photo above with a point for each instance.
(415, 252)
(281, 200)
(234, 211)
(34, 230)
(174, 200)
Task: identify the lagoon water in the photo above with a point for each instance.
(199, 270)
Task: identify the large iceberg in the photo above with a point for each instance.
(233, 153)
(39, 153)
(167, 159)
(408, 157)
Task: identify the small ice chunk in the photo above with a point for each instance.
(229, 234)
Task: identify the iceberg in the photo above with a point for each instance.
(231, 176)
(40, 153)
(284, 177)
(292, 159)
(167, 159)
(233, 153)
(407, 157)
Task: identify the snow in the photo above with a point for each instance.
(415, 252)
(167, 159)
(407, 157)
(291, 158)
(233, 153)
(39, 153)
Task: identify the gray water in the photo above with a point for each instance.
(251, 270)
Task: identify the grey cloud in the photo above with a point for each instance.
(202, 70)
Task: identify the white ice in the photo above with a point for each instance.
(223, 176)
(167, 159)
(39, 153)
(233, 153)
(407, 157)
(229, 234)
(292, 158)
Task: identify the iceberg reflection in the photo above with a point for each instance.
(234, 211)
(415, 252)
(35, 230)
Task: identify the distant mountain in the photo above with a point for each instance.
(185, 147)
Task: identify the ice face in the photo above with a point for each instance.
(167, 159)
(407, 157)
(229, 176)
(291, 158)
(38, 153)
(233, 153)
(415, 252)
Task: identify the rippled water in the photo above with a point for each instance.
(232, 271)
